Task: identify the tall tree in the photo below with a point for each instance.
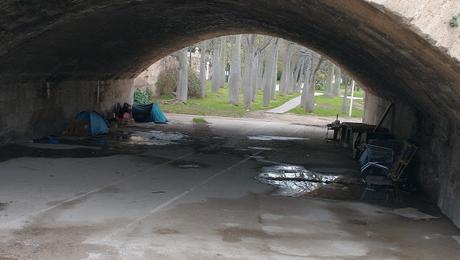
(347, 82)
(312, 64)
(182, 83)
(286, 76)
(248, 70)
(217, 69)
(337, 82)
(203, 68)
(222, 54)
(328, 86)
(234, 81)
(269, 76)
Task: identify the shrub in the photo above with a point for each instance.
(194, 85)
(167, 83)
(143, 97)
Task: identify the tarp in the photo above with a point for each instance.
(95, 122)
(149, 113)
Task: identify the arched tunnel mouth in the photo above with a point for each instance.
(367, 40)
(226, 188)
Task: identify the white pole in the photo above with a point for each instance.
(351, 98)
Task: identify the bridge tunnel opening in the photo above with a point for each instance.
(85, 56)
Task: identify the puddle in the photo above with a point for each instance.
(275, 138)
(292, 188)
(292, 180)
(155, 138)
(293, 173)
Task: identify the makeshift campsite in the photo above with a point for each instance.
(93, 122)
(149, 113)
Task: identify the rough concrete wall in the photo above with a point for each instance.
(429, 18)
(436, 165)
(33, 110)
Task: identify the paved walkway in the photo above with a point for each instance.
(288, 106)
(293, 103)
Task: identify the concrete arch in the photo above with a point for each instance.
(52, 50)
(115, 40)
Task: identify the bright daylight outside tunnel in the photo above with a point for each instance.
(310, 129)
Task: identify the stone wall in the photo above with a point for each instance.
(33, 110)
(436, 165)
(149, 77)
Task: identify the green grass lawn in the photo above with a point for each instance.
(359, 93)
(216, 104)
(329, 106)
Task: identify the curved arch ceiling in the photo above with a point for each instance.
(84, 40)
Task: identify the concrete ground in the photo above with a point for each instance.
(138, 194)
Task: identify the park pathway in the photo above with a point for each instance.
(288, 106)
(293, 103)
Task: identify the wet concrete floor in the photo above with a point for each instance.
(118, 197)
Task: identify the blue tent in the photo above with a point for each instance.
(96, 123)
(149, 113)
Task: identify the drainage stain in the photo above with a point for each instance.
(3, 205)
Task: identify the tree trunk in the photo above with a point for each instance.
(298, 75)
(223, 64)
(329, 86)
(275, 76)
(344, 99)
(248, 69)
(182, 83)
(287, 73)
(216, 65)
(203, 70)
(337, 82)
(234, 81)
(312, 64)
(254, 75)
(269, 82)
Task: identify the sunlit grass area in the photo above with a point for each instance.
(331, 106)
(216, 104)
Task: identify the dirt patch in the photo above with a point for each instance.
(3, 205)
(158, 192)
(236, 234)
(166, 231)
(357, 222)
(51, 242)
